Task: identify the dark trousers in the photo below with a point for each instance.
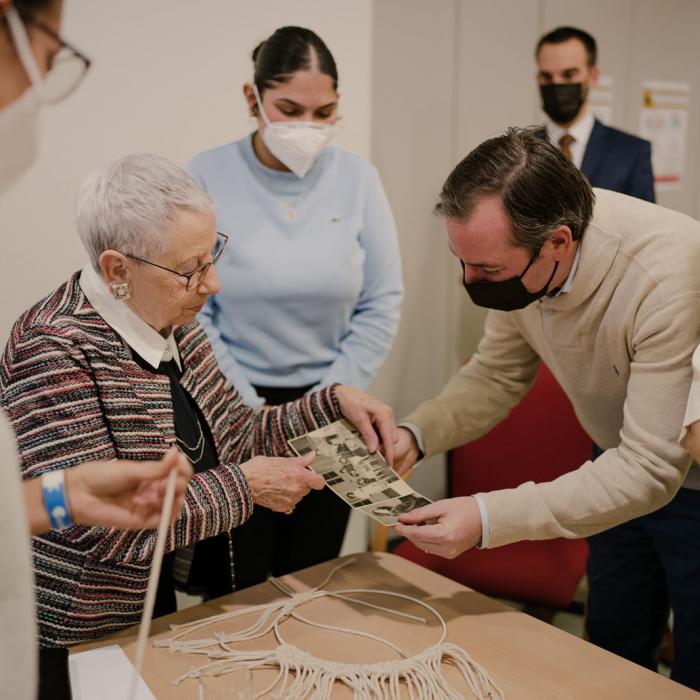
(277, 544)
(640, 570)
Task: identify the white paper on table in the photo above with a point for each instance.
(105, 674)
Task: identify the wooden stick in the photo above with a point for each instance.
(145, 626)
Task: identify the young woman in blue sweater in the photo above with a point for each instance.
(311, 284)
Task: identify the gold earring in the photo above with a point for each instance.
(121, 291)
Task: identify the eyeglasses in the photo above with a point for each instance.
(195, 278)
(68, 65)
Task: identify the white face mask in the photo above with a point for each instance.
(19, 120)
(297, 144)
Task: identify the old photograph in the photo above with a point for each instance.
(388, 512)
(360, 478)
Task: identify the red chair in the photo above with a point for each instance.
(540, 440)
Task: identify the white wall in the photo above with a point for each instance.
(413, 124)
(166, 78)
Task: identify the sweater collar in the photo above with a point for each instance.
(598, 249)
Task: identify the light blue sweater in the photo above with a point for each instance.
(308, 300)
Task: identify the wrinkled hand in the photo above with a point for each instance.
(406, 452)
(123, 493)
(455, 528)
(370, 416)
(279, 483)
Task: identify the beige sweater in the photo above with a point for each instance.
(620, 344)
(18, 645)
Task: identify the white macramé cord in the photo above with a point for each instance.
(302, 675)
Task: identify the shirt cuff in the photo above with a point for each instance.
(415, 431)
(484, 522)
(687, 422)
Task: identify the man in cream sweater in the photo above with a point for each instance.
(605, 289)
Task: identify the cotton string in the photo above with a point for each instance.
(302, 675)
(145, 625)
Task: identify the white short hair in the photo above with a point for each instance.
(130, 205)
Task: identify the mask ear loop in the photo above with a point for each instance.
(529, 265)
(551, 277)
(258, 100)
(545, 290)
(20, 39)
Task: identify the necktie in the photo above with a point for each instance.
(565, 144)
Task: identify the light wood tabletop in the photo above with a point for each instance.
(527, 659)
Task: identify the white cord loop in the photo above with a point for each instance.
(302, 675)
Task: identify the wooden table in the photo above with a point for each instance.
(527, 658)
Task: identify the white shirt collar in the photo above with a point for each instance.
(566, 287)
(135, 332)
(580, 130)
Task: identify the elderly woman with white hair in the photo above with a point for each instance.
(113, 364)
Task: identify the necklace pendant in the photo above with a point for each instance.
(291, 214)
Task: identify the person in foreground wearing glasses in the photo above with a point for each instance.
(311, 292)
(114, 364)
(37, 66)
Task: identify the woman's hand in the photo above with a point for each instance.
(279, 483)
(370, 416)
(125, 494)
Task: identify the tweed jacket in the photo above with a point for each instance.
(73, 394)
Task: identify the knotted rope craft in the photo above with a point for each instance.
(302, 675)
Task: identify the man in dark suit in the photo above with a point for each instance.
(609, 158)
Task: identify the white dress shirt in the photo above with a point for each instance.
(580, 130)
(135, 332)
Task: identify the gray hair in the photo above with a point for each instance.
(541, 189)
(130, 205)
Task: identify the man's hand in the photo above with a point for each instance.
(123, 493)
(370, 416)
(406, 451)
(279, 483)
(455, 526)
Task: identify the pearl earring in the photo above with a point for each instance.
(121, 291)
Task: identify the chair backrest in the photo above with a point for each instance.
(540, 440)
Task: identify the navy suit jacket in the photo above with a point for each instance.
(615, 160)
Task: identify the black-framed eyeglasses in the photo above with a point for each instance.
(68, 65)
(196, 277)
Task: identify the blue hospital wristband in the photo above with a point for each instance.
(54, 493)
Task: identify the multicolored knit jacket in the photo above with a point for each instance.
(73, 394)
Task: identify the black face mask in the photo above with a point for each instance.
(508, 295)
(562, 102)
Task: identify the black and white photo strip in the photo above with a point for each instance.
(362, 479)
